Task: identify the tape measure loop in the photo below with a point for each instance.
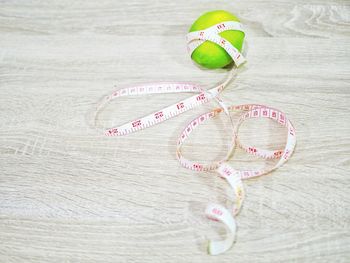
(219, 213)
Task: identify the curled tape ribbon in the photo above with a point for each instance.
(250, 111)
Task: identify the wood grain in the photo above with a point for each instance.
(68, 194)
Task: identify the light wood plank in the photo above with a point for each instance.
(70, 194)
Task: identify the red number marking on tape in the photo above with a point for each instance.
(217, 211)
(227, 172)
(136, 123)
(197, 166)
(201, 97)
(113, 131)
(291, 132)
(158, 115)
(252, 149)
(286, 155)
(277, 153)
(180, 105)
(220, 26)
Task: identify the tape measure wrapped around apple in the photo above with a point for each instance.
(214, 41)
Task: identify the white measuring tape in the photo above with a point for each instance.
(233, 177)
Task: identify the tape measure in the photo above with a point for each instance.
(250, 111)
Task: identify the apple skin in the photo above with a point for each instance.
(210, 55)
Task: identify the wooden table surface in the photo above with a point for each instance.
(68, 194)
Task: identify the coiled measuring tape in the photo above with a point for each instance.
(250, 111)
